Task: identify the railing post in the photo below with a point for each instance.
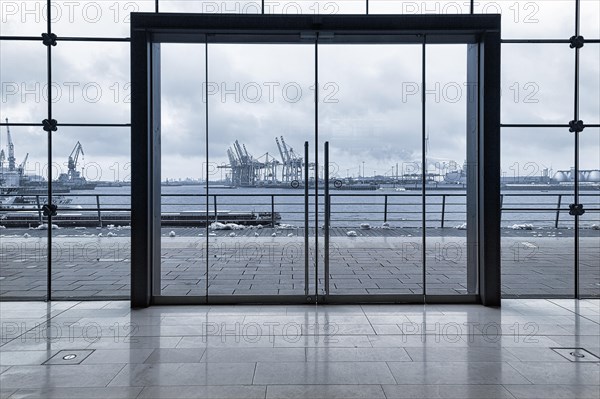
(99, 213)
(385, 209)
(39, 207)
(443, 210)
(558, 211)
(272, 210)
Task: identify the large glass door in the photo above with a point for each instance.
(308, 172)
(370, 130)
(260, 114)
(317, 167)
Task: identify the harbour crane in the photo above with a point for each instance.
(73, 158)
(21, 168)
(2, 158)
(11, 150)
(283, 157)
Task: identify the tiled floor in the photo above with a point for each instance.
(370, 351)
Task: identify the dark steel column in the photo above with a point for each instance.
(472, 133)
(489, 169)
(141, 201)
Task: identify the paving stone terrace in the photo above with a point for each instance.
(94, 263)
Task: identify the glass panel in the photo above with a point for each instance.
(529, 96)
(370, 112)
(325, 7)
(446, 171)
(95, 87)
(183, 170)
(261, 107)
(211, 7)
(589, 84)
(95, 18)
(23, 89)
(418, 7)
(23, 238)
(526, 19)
(589, 223)
(91, 239)
(23, 18)
(537, 240)
(590, 23)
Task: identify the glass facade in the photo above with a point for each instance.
(83, 83)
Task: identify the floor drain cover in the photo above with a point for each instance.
(69, 356)
(577, 355)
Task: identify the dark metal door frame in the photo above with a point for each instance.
(148, 30)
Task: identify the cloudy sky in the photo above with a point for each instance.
(369, 105)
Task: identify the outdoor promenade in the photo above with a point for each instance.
(94, 263)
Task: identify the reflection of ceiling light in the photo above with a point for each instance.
(308, 35)
(69, 357)
(313, 35)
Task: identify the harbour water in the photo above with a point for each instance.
(351, 208)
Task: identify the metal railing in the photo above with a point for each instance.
(347, 209)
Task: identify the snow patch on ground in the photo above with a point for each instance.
(461, 226)
(524, 226)
(285, 226)
(226, 226)
(44, 226)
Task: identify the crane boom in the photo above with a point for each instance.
(11, 150)
(283, 159)
(285, 149)
(21, 168)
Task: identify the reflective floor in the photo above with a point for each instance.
(105, 350)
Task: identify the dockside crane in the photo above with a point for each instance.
(21, 168)
(73, 158)
(11, 150)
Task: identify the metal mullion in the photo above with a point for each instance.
(536, 41)
(94, 124)
(49, 147)
(576, 151)
(327, 217)
(21, 124)
(93, 39)
(306, 224)
(21, 38)
(535, 125)
(423, 171)
(206, 192)
(316, 167)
